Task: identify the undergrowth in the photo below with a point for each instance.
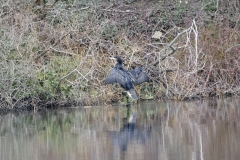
(57, 52)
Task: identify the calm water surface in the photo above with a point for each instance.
(201, 130)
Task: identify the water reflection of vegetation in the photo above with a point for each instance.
(59, 121)
(163, 129)
(63, 120)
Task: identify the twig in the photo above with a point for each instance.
(62, 51)
(44, 52)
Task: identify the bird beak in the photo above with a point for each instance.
(114, 59)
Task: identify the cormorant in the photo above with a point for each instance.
(126, 78)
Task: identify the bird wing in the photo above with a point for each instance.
(138, 76)
(115, 76)
(141, 78)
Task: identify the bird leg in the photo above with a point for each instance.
(128, 103)
(124, 93)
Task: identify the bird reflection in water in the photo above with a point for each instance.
(130, 133)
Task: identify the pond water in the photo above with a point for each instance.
(152, 130)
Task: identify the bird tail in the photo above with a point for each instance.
(131, 93)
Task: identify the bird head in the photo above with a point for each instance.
(117, 59)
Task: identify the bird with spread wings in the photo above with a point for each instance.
(126, 78)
